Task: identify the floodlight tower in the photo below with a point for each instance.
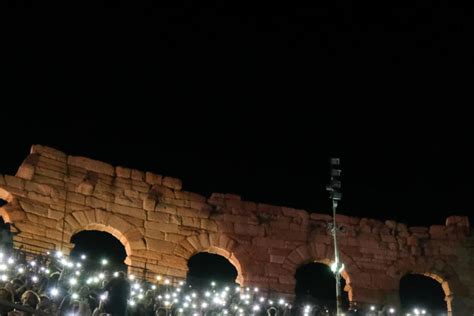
(335, 195)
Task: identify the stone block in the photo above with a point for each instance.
(191, 221)
(155, 234)
(35, 197)
(123, 172)
(47, 180)
(138, 244)
(56, 235)
(48, 152)
(175, 219)
(26, 171)
(92, 165)
(140, 186)
(437, 232)
(172, 183)
(128, 201)
(208, 225)
(277, 259)
(149, 203)
(160, 246)
(248, 230)
(32, 229)
(457, 221)
(55, 214)
(95, 202)
(127, 210)
(137, 175)
(35, 208)
(133, 235)
(175, 238)
(388, 238)
(14, 182)
(158, 216)
(163, 208)
(101, 216)
(47, 163)
(119, 224)
(49, 173)
(268, 242)
(152, 178)
(225, 227)
(163, 227)
(275, 270)
(85, 188)
(320, 217)
(39, 188)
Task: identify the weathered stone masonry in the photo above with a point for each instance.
(162, 226)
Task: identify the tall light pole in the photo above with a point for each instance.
(335, 195)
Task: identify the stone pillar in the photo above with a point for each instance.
(365, 297)
(392, 299)
(459, 305)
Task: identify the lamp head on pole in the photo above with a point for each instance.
(334, 186)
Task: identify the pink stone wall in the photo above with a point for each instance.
(162, 226)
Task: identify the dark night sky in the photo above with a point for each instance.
(253, 100)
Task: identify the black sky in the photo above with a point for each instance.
(253, 100)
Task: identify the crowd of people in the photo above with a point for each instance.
(53, 284)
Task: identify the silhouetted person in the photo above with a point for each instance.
(6, 236)
(118, 293)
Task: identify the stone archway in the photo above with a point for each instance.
(439, 271)
(305, 254)
(130, 236)
(218, 244)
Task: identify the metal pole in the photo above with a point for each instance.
(335, 195)
(337, 263)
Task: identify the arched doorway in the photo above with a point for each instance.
(3, 213)
(205, 268)
(423, 293)
(98, 246)
(316, 286)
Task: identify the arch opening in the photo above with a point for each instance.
(424, 291)
(316, 285)
(98, 246)
(3, 213)
(206, 267)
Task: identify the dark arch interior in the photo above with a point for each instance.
(206, 267)
(96, 246)
(316, 284)
(2, 202)
(423, 292)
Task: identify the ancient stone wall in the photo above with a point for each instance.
(53, 196)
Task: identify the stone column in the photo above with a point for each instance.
(459, 305)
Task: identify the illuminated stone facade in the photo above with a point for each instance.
(162, 226)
